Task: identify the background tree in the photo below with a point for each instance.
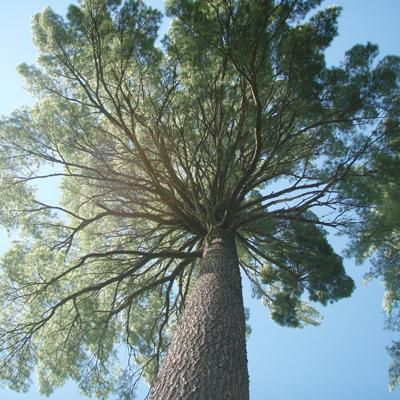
(377, 198)
(236, 138)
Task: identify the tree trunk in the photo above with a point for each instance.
(207, 357)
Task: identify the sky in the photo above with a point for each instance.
(343, 358)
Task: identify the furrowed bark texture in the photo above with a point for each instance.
(207, 357)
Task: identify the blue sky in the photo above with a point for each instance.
(345, 357)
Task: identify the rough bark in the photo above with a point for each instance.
(207, 357)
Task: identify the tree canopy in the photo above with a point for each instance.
(235, 122)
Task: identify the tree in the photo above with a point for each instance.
(377, 234)
(229, 149)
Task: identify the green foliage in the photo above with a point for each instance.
(299, 258)
(237, 124)
(377, 195)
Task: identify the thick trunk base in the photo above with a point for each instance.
(207, 357)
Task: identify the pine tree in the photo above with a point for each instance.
(377, 198)
(228, 151)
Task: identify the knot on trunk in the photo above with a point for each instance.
(216, 238)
